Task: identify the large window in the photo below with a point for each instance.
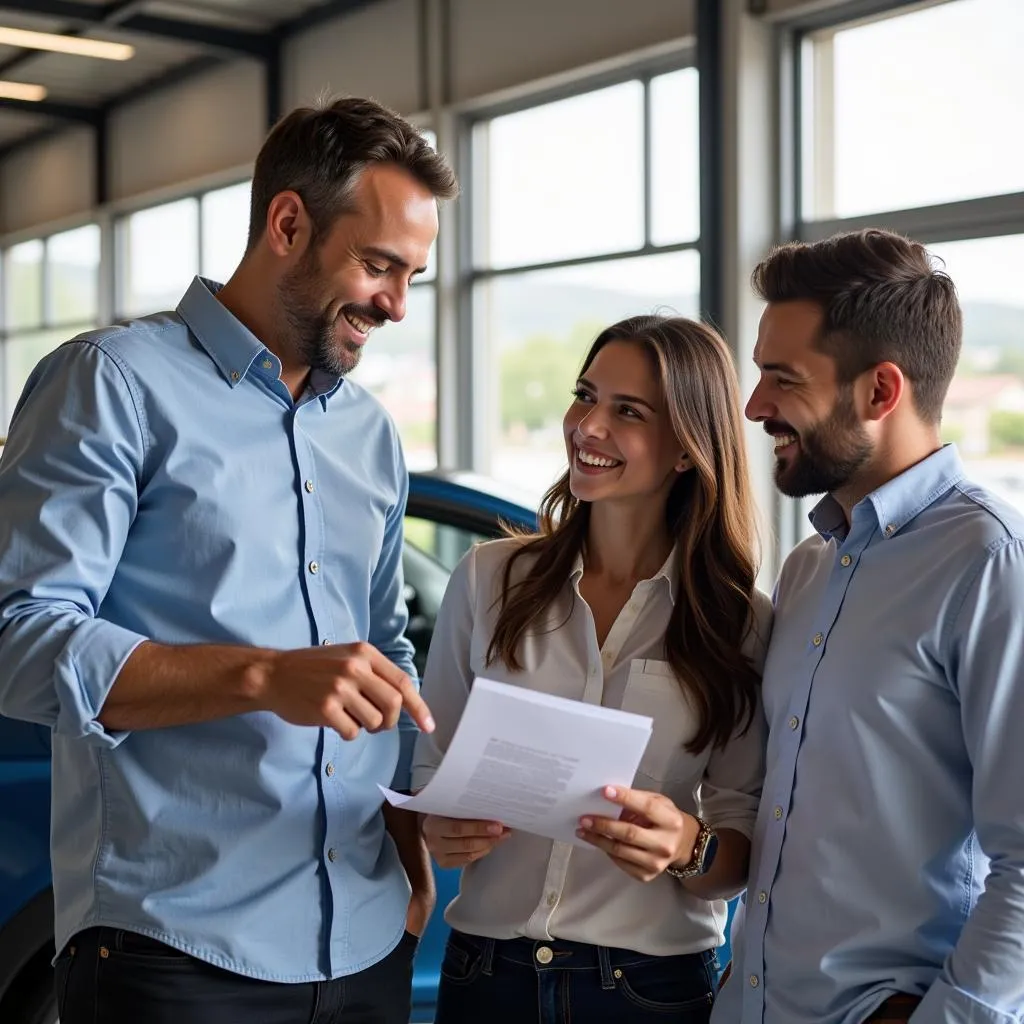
(914, 109)
(161, 248)
(50, 294)
(585, 211)
(924, 144)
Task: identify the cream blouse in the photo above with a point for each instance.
(534, 887)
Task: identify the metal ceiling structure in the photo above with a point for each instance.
(173, 40)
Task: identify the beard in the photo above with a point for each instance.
(830, 453)
(312, 326)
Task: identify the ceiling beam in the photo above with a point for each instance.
(124, 15)
(64, 111)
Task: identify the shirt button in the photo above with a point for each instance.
(268, 364)
(845, 561)
(762, 897)
(234, 376)
(552, 899)
(309, 486)
(794, 722)
(753, 981)
(329, 769)
(544, 955)
(314, 567)
(332, 855)
(778, 813)
(325, 643)
(818, 637)
(890, 530)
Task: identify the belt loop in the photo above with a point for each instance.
(488, 958)
(604, 961)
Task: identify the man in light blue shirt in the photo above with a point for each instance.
(887, 872)
(201, 595)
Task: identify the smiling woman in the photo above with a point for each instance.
(636, 593)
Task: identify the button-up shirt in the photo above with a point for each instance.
(534, 887)
(160, 483)
(889, 849)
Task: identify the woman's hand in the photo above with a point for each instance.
(649, 835)
(455, 842)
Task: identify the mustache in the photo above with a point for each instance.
(778, 427)
(375, 316)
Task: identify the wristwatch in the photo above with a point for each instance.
(704, 850)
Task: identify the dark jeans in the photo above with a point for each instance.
(110, 976)
(520, 981)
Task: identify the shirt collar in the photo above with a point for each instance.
(669, 572)
(898, 501)
(231, 345)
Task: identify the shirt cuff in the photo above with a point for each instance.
(85, 672)
(946, 1004)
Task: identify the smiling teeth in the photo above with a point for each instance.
(362, 326)
(595, 460)
(781, 440)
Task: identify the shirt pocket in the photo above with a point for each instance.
(653, 689)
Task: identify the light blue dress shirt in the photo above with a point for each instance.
(888, 854)
(159, 482)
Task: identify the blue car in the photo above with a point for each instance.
(447, 513)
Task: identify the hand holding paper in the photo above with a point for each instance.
(533, 762)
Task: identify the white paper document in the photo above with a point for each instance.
(534, 762)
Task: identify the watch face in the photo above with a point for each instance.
(709, 854)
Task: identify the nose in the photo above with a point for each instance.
(758, 408)
(593, 423)
(391, 300)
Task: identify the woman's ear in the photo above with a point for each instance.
(683, 463)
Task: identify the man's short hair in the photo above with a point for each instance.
(319, 152)
(884, 299)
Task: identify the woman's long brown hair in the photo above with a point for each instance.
(710, 515)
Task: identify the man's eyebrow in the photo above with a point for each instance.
(786, 368)
(635, 399)
(392, 257)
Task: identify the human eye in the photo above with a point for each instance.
(374, 269)
(581, 394)
(629, 412)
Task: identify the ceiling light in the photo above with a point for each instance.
(78, 45)
(22, 91)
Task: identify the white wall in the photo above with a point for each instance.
(497, 45)
(204, 125)
(50, 181)
(375, 51)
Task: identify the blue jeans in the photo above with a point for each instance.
(521, 981)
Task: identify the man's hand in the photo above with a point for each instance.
(346, 687)
(649, 835)
(455, 842)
